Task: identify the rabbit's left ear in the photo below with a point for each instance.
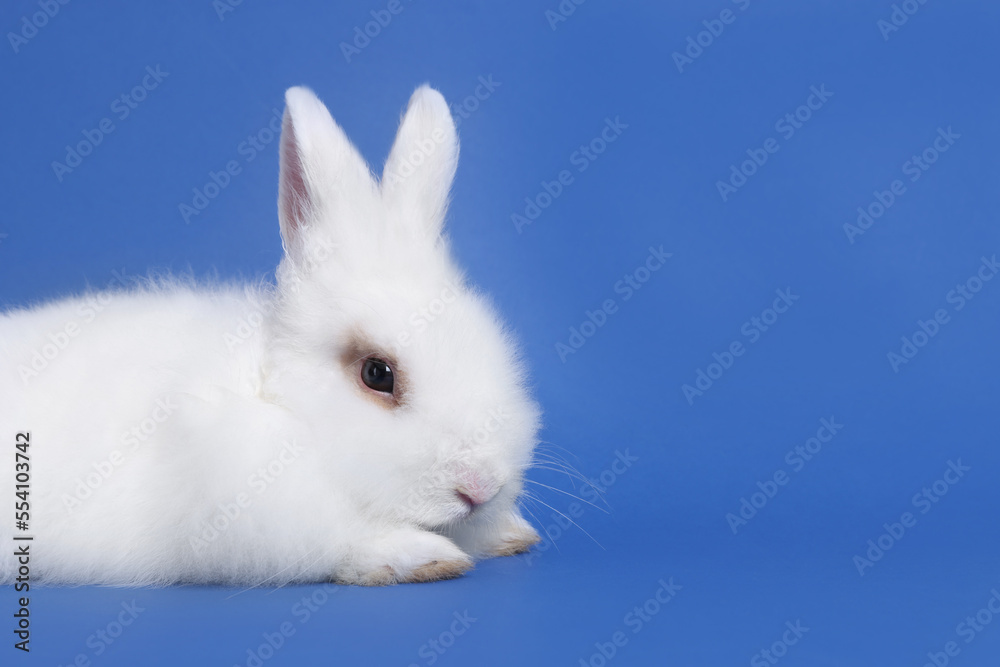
(421, 165)
(324, 181)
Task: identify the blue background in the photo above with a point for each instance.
(826, 357)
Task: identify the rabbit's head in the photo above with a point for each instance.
(405, 377)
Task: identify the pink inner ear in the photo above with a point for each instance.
(294, 193)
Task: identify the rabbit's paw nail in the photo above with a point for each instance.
(516, 541)
(436, 570)
(383, 576)
(406, 556)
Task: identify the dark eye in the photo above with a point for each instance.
(377, 375)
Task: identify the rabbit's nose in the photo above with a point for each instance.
(474, 488)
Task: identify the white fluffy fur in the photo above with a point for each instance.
(367, 493)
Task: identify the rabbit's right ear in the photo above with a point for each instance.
(322, 175)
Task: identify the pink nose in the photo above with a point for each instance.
(474, 489)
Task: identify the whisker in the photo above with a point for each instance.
(524, 507)
(531, 481)
(573, 475)
(543, 528)
(570, 520)
(597, 490)
(549, 443)
(544, 457)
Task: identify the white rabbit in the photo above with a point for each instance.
(365, 420)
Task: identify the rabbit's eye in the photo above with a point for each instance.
(377, 375)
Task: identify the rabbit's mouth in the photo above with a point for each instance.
(462, 507)
(470, 502)
(467, 504)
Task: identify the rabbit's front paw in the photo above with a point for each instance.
(406, 556)
(516, 537)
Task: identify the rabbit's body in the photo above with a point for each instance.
(224, 433)
(125, 488)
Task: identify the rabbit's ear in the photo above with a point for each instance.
(322, 175)
(421, 164)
